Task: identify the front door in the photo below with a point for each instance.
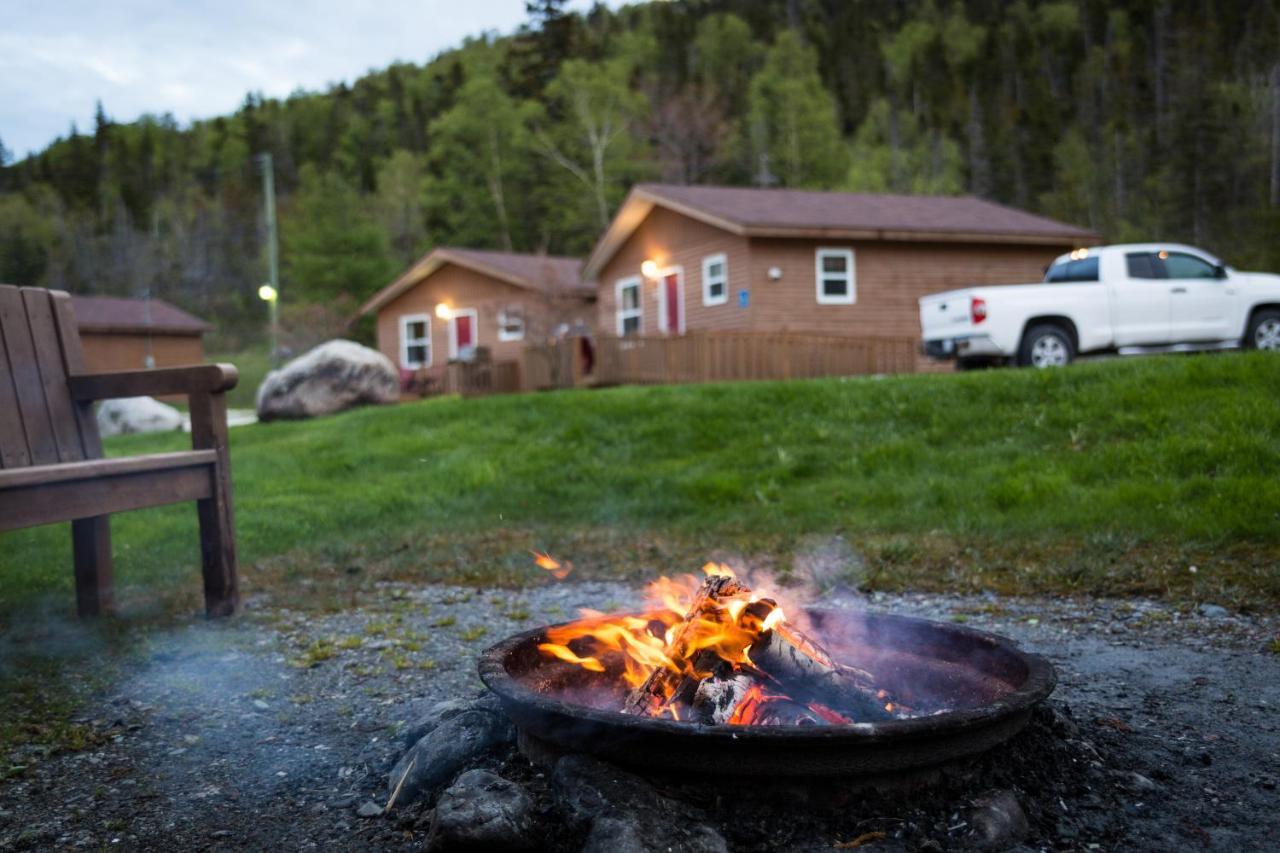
(672, 306)
(1201, 303)
(462, 333)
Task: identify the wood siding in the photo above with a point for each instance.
(462, 288)
(670, 240)
(107, 352)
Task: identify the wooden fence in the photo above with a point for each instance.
(477, 378)
(715, 357)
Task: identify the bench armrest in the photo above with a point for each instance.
(196, 379)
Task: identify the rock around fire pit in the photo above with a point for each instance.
(985, 686)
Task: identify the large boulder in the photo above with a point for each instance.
(137, 414)
(334, 376)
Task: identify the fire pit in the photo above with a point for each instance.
(715, 680)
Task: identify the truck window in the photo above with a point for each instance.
(1179, 265)
(1144, 265)
(1085, 269)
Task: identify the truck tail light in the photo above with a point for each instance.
(977, 310)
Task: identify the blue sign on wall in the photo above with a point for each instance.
(744, 298)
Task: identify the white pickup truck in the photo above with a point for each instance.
(1136, 298)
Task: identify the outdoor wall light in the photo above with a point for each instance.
(649, 269)
(443, 311)
(775, 273)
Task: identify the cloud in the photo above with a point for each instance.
(199, 58)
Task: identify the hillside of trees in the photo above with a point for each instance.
(1150, 120)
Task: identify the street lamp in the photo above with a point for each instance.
(268, 294)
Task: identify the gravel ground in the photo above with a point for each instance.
(272, 729)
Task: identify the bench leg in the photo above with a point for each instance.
(91, 550)
(217, 523)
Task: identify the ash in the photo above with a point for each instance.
(282, 729)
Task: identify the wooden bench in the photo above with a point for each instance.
(51, 463)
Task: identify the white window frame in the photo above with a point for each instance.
(453, 329)
(678, 272)
(851, 276)
(723, 261)
(504, 314)
(405, 343)
(620, 313)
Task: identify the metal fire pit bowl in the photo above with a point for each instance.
(985, 684)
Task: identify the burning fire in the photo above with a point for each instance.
(714, 650)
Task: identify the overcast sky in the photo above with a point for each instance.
(198, 58)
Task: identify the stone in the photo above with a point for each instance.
(334, 376)
(369, 809)
(447, 710)
(1140, 783)
(482, 811)
(449, 747)
(998, 820)
(615, 835)
(137, 414)
(618, 809)
(1213, 611)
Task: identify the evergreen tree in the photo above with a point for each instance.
(792, 118)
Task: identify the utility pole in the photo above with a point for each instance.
(273, 257)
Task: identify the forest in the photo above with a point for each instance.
(1143, 120)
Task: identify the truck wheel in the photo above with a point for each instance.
(1046, 346)
(1264, 331)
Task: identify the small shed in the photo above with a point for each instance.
(119, 333)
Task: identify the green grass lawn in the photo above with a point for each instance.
(254, 364)
(1109, 478)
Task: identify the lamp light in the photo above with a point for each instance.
(649, 269)
(775, 273)
(267, 293)
(443, 311)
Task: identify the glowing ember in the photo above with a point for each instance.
(558, 570)
(715, 650)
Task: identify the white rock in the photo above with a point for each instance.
(334, 376)
(137, 414)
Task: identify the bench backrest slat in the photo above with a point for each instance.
(39, 422)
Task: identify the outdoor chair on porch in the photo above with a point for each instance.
(51, 463)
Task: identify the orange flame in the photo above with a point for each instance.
(546, 561)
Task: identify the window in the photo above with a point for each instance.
(1180, 265)
(715, 280)
(1143, 265)
(511, 324)
(835, 277)
(629, 312)
(1085, 269)
(415, 341)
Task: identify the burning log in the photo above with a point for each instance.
(716, 698)
(664, 685)
(807, 671)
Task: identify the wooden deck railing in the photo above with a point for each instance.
(477, 378)
(716, 357)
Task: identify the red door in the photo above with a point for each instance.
(462, 331)
(671, 299)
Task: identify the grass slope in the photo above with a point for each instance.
(1106, 477)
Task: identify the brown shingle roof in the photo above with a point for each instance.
(119, 314)
(806, 209)
(805, 213)
(545, 273)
